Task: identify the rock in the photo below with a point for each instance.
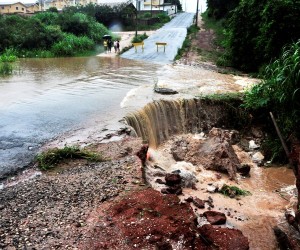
(211, 188)
(188, 179)
(189, 199)
(163, 246)
(142, 154)
(172, 179)
(179, 150)
(253, 145)
(224, 238)
(160, 181)
(198, 203)
(165, 91)
(215, 153)
(283, 240)
(244, 169)
(256, 132)
(215, 218)
(257, 157)
(292, 220)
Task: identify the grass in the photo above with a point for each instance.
(51, 158)
(6, 68)
(139, 38)
(233, 191)
(186, 46)
(6, 60)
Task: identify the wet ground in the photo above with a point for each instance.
(172, 33)
(75, 101)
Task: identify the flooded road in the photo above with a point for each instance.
(172, 33)
(50, 97)
(75, 100)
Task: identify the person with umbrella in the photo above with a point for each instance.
(106, 42)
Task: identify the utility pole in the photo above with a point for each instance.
(136, 18)
(197, 13)
(151, 8)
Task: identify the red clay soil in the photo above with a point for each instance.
(147, 219)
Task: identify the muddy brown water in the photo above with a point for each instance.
(77, 100)
(47, 98)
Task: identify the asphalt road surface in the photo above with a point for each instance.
(172, 33)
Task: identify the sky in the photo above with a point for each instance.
(191, 5)
(187, 5)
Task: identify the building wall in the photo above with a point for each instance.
(33, 8)
(60, 4)
(12, 8)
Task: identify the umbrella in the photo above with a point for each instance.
(106, 37)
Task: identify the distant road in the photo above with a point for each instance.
(173, 33)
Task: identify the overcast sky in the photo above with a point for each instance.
(191, 5)
(187, 5)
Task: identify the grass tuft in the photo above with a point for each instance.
(49, 159)
(233, 191)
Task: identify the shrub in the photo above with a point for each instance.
(72, 44)
(279, 91)
(5, 68)
(139, 38)
(51, 158)
(9, 55)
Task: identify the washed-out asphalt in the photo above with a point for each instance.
(172, 33)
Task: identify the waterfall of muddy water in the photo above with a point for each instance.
(158, 120)
(272, 192)
(73, 98)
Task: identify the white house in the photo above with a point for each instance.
(146, 5)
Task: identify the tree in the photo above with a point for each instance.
(176, 2)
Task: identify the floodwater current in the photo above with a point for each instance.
(76, 100)
(47, 98)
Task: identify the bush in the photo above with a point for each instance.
(279, 91)
(5, 68)
(139, 38)
(72, 44)
(9, 55)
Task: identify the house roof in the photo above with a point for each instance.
(10, 3)
(30, 4)
(113, 2)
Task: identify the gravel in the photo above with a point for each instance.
(51, 211)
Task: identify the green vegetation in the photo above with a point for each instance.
(220, 9)
(139, 38)
(279, 93)
(51, 158)
(233, 191)
(186, 46)
(6, 60)
(255, 31)
(49, 34)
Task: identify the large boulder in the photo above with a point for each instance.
(215, 153)
(215, 218)
(224, 238)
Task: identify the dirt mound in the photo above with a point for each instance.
(148, 219)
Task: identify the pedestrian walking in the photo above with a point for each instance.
(109, 45)
(105, 45)
(118, 45)
(115, 46)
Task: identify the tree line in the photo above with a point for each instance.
(255, 31)
(262, 36)
(60, 34)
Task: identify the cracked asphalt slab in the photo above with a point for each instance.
(172, 33)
